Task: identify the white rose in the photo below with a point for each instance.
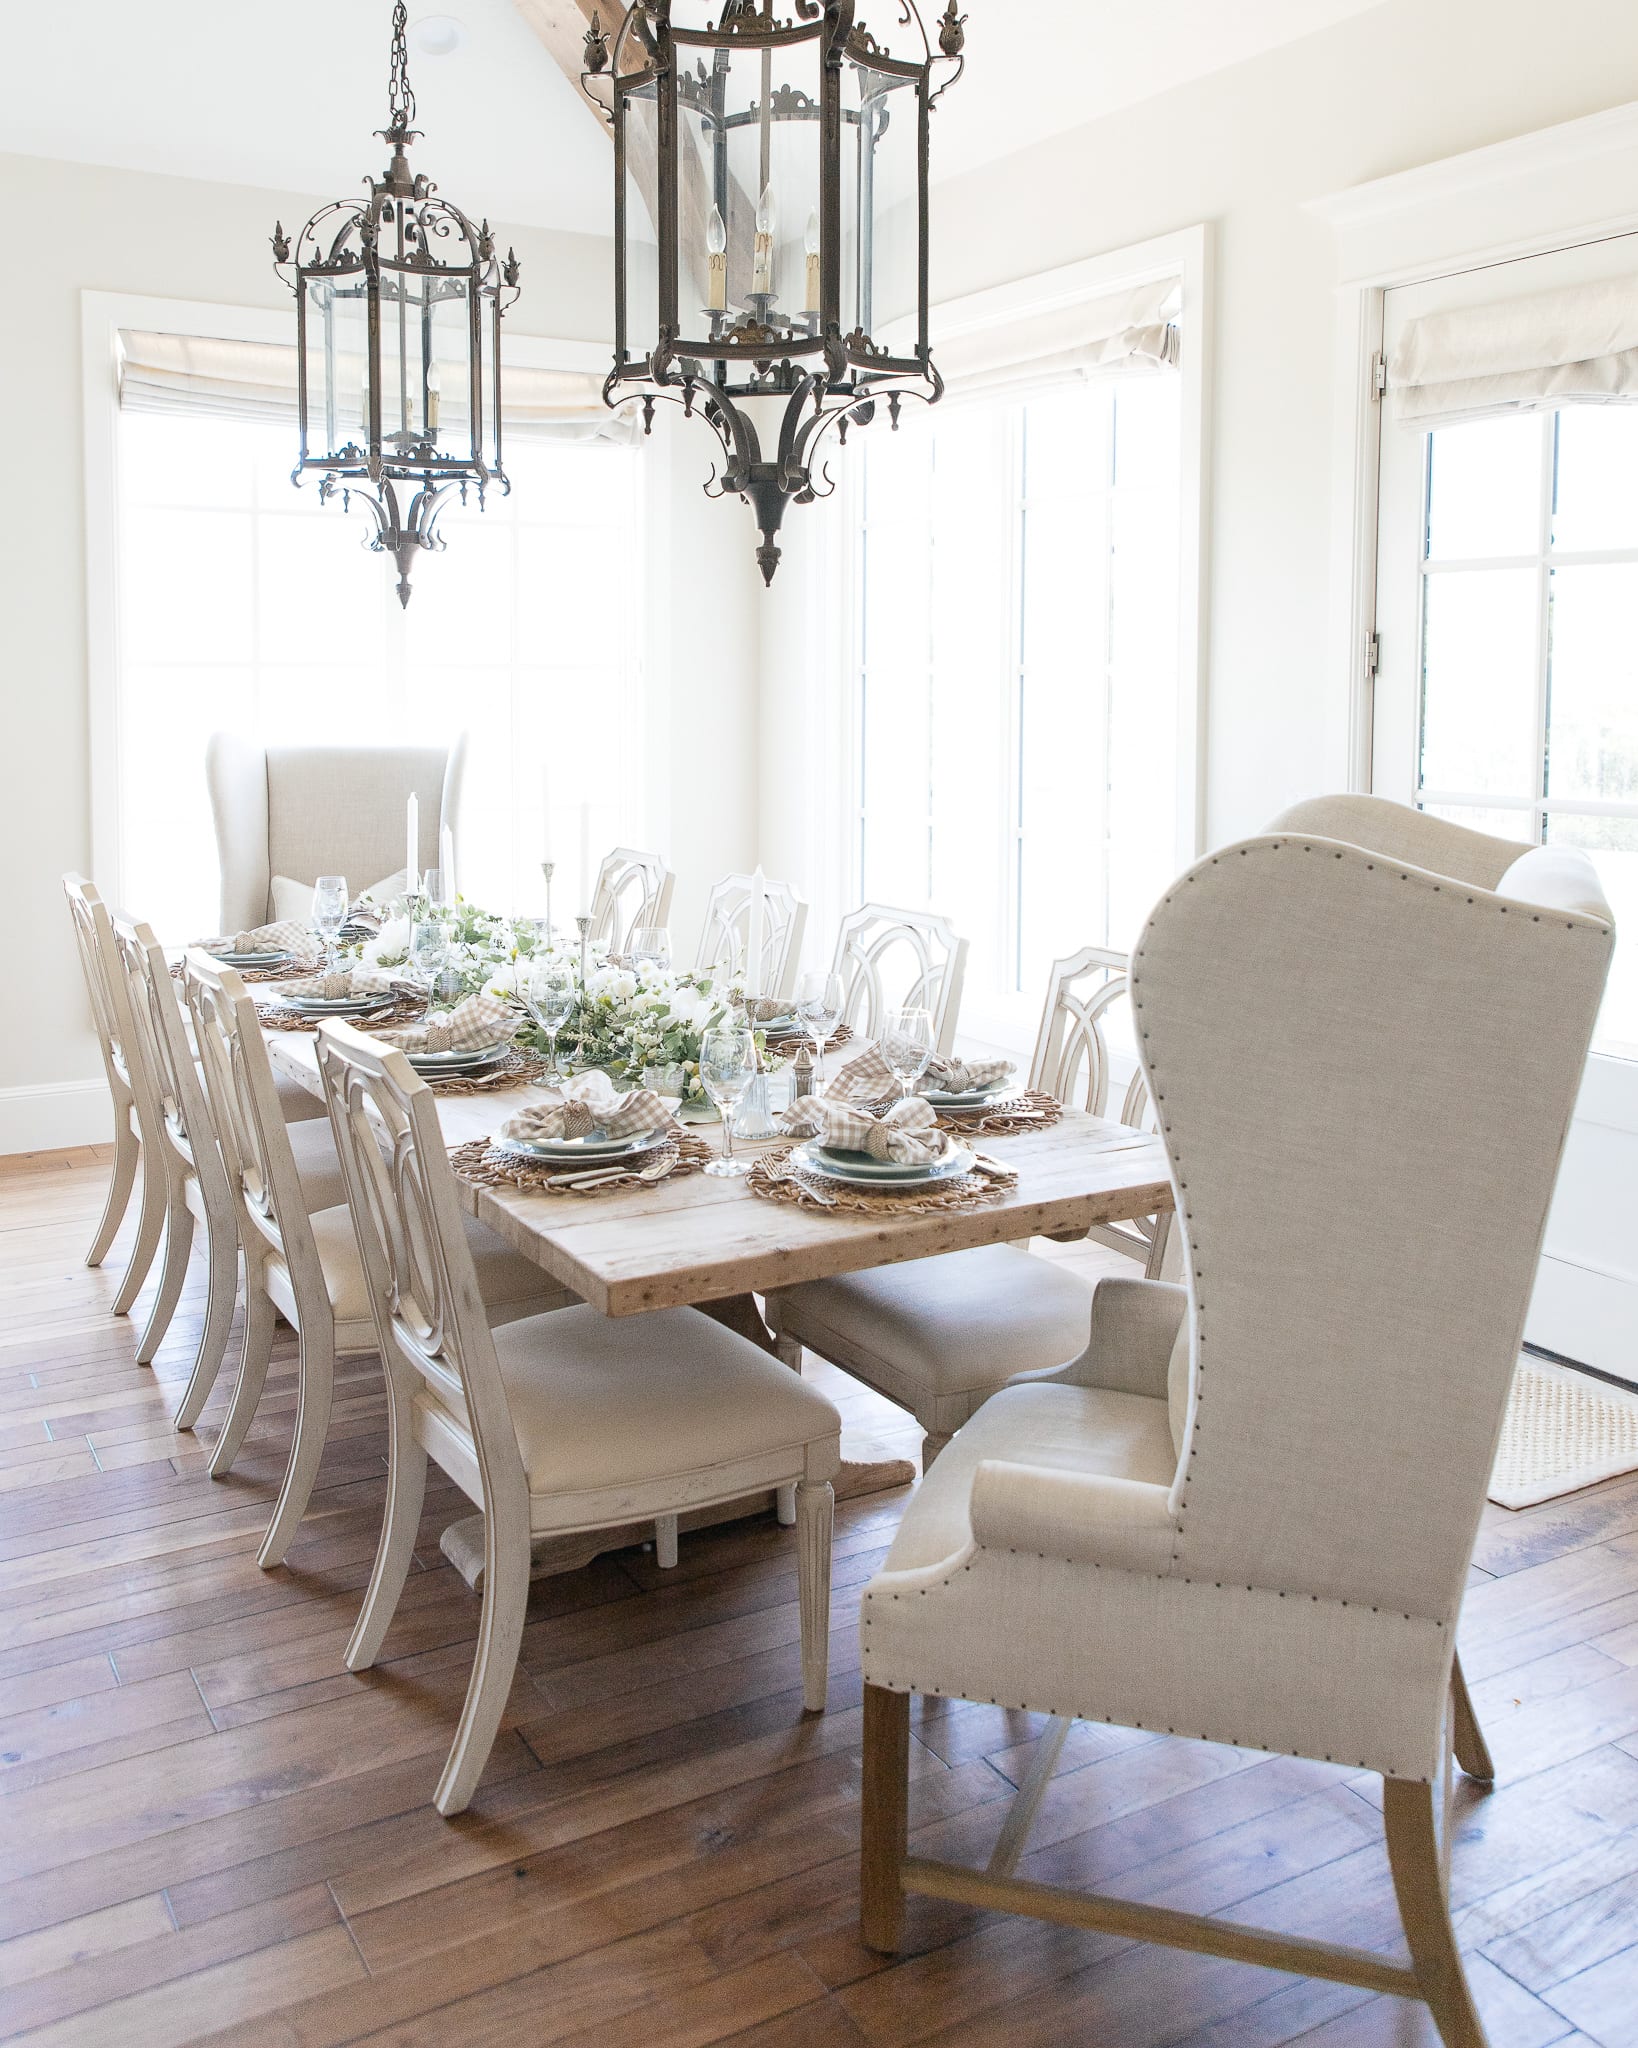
(390, 943)
(688, 1006)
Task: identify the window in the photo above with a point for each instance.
(1508, 583)
(244, 603)
(1015, 672)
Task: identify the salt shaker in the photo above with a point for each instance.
(801, 1073)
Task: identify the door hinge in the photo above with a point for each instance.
(1379, 374)
(1373, 654)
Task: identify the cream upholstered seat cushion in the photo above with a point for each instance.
(313, 1147)
(962, 1323)
(1048, 1427)
(600, 1402)
(506, 1281)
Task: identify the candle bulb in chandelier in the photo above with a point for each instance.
(435, 386)
(716, 249)
(762, 263)
(810, 241)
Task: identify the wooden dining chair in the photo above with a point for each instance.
(726, 932)
(565, 1422)
(1275, 1560)
(130, 1090)
(888, 958)
(939, 1336)
(300, 1257)
(185, 1150)
(633, 889)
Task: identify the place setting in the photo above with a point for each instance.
(584, 1137)
(972, 1098)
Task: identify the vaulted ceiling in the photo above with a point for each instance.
(286, 93)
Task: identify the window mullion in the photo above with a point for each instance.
(1544, 614)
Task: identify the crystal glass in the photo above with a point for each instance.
(550, 996)
(435, 886)
(427, 949)
(819, 1007)
(727, 1069)
(330, 901)
(650, 946)
(907, 1045)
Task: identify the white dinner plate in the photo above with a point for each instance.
(862, 1170)
(597, 1148)
(336, 1006)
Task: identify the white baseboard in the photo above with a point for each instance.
(55, 1114)
(1585, 1315)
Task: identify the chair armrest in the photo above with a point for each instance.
(1083, 1517)
(1134, 1325)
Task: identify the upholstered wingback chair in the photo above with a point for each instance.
(286, 815)
(1246, 1513)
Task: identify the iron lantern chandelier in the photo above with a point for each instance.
(783, 166)
(398, 308)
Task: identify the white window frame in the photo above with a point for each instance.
(1185, 256)
(103, 314)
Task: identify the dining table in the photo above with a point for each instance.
(712, 1244)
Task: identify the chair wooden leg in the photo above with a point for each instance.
(222, 1254)
(665, 1542)
(178, 1245)
(127, 1153)
(406, 1491)
(931, 1444)
(788, 1351)
(1472, 1751)
(150, 1226)
(815, 1517)
(884, 1823)
(261, 1319)
(500, 1631)
(317, 1376)
(785, 1506)
(1424, 1906)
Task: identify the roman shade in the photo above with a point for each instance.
(1575, 345)
(1134, 329)
(209, 376)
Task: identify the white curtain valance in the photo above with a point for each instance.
(256, 380)
(1123, 331)
(1576, 345)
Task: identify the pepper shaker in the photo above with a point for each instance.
(801, 1073)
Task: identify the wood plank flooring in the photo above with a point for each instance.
(209, 1830)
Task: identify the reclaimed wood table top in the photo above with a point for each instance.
(699, 1239)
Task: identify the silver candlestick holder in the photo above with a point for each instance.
(583, 926)
(548, 868)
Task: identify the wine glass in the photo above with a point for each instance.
(819, 1007)
(550, 996)
(426, 950)
(650, 946)
(907, 1045)
(330, 902)
(727, 1069)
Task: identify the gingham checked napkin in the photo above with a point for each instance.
(908, 1133)
(287, 937)
(865, 1078)
(960, 1077)
(337, 982)
(475, 1024)
(589, 1103)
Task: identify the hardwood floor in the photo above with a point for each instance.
(209, 1830)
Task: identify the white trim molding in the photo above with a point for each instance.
(51, 1115)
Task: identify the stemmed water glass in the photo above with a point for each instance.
(819, 1008)
(907, 1045)
(329, 912)
(650, 946)
(550, 996)
(727, 1069)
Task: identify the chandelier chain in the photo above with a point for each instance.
(400, 98)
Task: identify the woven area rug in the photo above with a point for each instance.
(1564, 1430)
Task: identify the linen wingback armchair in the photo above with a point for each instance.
(286, 815)
(1246, 1513)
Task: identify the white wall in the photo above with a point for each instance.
(1400, 85)
(176, 238)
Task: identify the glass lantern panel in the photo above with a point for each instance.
(749, 177)
(446, 342)
(489, 328)
(337, 376)
(881, 194)
(640, 251)
(426, 364)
